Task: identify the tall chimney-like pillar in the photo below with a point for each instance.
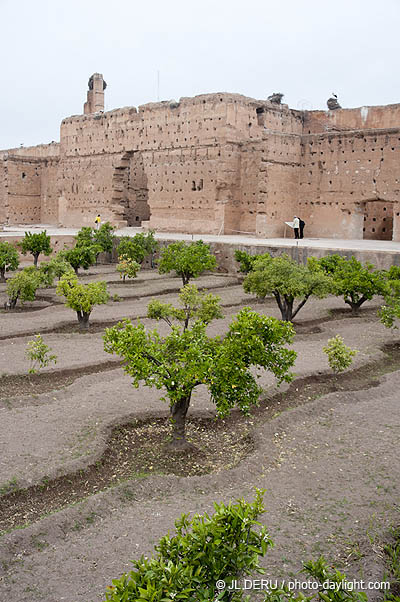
(95, 95)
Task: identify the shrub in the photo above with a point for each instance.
(9, 260)
(187, 260)
(286, 280)
(82, 297)
(339, 355)
(36, 244)
(39, 354)
(56, 267)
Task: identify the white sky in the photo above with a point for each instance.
(306, 49)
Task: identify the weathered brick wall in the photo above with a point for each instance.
(342, 173)
(3, 191)
(216, 163)
(23, 190)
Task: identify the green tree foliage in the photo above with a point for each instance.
(340, 356)
(35, 244)
(389, 313)
(138, 247)
(56, 267)
(127, 267)
(100, 241)
(82, 297)
(355, 282)
(195, 305)
(187, 358)
(39, 354)
(204, 550)
(23, 286)
(129, 246)
(287, 281)
(81, 256)
(8, 259)
(246, 261)
(187, 260)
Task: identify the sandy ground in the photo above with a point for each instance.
(330, 467)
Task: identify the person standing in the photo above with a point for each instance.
(97, 221)
(296, 226)
(301, 226)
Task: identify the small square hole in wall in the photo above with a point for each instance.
(23, 175)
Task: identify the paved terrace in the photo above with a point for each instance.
(382, 253)
(315, 243)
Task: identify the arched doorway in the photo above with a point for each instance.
(378, 220)
(130, 188)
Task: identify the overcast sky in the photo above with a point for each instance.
(306, 49)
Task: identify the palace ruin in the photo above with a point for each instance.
(215, 163)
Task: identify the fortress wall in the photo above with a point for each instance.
(341, 174)
(379, 117)
(23, 191)
(203, 120)
(39, 152)
(49, 192)
(85, 188)
(3, 191)
(188, 188)
(278, 182)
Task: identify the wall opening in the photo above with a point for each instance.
(378, 220)
(260, 116)
(130, 188)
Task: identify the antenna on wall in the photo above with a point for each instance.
(158, 86)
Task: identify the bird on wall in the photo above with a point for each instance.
(334, 95)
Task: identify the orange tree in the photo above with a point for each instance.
(188, 357)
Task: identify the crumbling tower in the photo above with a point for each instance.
(95, 95)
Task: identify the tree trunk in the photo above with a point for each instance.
(2, 274)
(35, 259)
(355, 305)
(13, 302)
(287, 310)
(76, 271)
(178, 419)
(83, 319)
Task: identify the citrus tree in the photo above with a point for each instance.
(56, 267)
(127, 267)
(187, 260)
(194, 305)
(103, 238)
(287, 281)
(35, 244)
(138, 247)
(190, 564)
(340, 356)
(23, 286)
(187, 357)
(9, 260)
(81, 256)
(82, 297)
(246, 261)
(389, 313)
(353, 281)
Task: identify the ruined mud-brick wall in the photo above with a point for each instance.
(350, 184)
(23, 176)
(184, 166)
(20, 190)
